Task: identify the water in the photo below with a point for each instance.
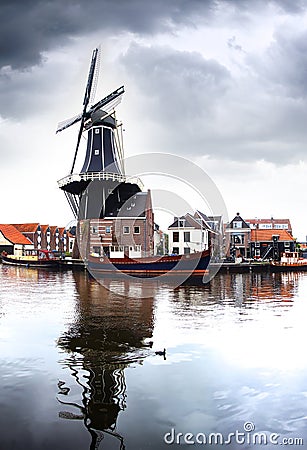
(77, 370)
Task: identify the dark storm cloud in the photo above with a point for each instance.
(30, 27)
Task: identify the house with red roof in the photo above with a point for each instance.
(270, 243)
(13, 241)
(48, 237)
(259, 238)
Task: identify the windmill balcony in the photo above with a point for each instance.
(90, 176)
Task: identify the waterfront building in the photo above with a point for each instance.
(217, 238)
(32, 231)
(47, 237)
(12, 241)
(130, 233)
(270, 244)
(258, 238)
(188, 234)
(237, 238)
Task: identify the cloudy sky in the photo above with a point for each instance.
(220, 82)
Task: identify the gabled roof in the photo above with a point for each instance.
(187, 221)
(266, 235)
(238, 218)
(61, 230)
(26, 227)
(209, 222)
(13, 235)
(135, 206)
(53, 228)
(44, 228)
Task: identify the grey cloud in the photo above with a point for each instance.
(31, 27)
(284, 64)
(180, 83)
(194, 106)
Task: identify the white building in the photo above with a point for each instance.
(12, 241)
(188, 234)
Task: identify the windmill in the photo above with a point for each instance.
(102, 170)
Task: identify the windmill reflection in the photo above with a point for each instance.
(106, 337)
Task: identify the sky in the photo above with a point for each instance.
(220, 82)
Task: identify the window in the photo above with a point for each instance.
(257, 252)
(287, 244)
(238, 239)
(175, 250)
(94, 229)
(96, 152)
(187, 236)
(97, 130)
(108, 230)
(237, 224)
(175, 236)
(136, 230)
(96, 250)
(257, 244)
(126, 230)
(187, 250)
(181, 222)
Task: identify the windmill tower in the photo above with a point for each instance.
(101, 187)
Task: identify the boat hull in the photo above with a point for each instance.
(29, 263)
(194, 265)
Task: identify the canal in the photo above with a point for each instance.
(79, 368)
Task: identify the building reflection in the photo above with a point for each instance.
(109, 333)
(241, 289)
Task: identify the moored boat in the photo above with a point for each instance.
(31, 258)
(194, 264)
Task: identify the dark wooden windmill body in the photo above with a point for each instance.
(101, 187)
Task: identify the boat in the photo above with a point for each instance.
(115, 220)
(289, 261)
(31, 258)
(186, 266)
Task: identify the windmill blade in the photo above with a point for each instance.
(85, 102)
(106, 100)
(95, 75)
(78, 142)
(68, 122)
(91, 74)
(112, 104)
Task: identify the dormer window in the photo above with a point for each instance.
(237, 224)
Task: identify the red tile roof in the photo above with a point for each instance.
(26, 227)
(266, 235)
(13, 235)
(44, 228)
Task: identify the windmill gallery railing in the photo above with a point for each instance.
(91, 176)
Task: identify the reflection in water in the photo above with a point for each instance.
(107, 335)
(235, 352)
